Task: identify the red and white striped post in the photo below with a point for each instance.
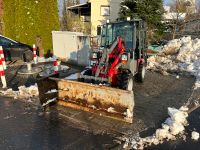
(2, 57)
(34, 54)
(56, 66)
(2, 74)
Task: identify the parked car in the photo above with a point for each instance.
(14, 50)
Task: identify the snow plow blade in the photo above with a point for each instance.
(106, 101)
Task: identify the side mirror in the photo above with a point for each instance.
(98, 30)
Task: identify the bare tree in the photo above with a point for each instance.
(181, 12)
(198, 8)
(72, 21)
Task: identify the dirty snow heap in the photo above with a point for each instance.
(178, 56)
(23, 92)
(173, 126)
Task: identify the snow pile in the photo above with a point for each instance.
(28, 91)
(128, 114)
(23, 92)
(75, 76)
(195, 135)
(179, 55)
(50, 59)
(49, 70)
(173, 126)
(111, 110)
(124, 6)
(65, 68)
(49, 101)
(51, 91)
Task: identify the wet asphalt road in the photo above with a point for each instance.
(27, 128)
(23, 126)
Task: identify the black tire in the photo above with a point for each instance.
(87, 73)
(125, 81)
(141, 73)
(28, 56)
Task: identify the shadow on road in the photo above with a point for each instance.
(47, 131)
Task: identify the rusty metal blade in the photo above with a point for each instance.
(106, 101)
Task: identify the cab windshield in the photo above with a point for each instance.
(123, 29)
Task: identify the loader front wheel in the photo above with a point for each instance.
(87, 73)
(126, 82)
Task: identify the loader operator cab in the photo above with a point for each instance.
(133, 34)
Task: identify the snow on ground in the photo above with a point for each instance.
(195, 135)
(74, 76)
(50, 59)
(111, 110)
(51, 91)
(23, 92)
(173, 126)
(49, 101)
(178, 56)
(49, 70)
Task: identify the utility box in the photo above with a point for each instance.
(72, 47)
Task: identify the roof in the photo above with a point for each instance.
(82, 9)
(78, 6)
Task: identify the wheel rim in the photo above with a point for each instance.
(130, 85)
(143, 72)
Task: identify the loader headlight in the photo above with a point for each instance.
(124, 58)
(94, 55)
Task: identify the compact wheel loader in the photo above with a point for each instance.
(107, 87)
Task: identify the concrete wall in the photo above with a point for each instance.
(71, 46)
(97, 18)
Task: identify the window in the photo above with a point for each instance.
(5, 42)
(105, 10)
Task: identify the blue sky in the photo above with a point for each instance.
(166, 1)
(82, 1)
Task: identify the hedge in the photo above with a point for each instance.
(25, 20)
